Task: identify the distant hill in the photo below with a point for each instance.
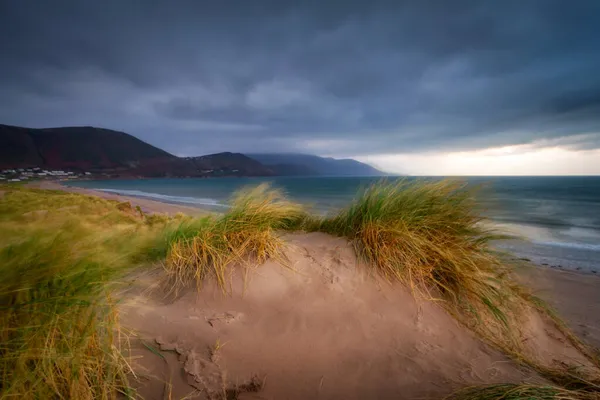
(118, 154)
(81, 148)
(111, 152)
(230, 164)
(294, 164)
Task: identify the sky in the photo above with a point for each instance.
(417, 87)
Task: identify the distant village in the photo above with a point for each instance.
(25, 174)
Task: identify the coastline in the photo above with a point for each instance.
(575, 294)
(343, 321)
(148, 206)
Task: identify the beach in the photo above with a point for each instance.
(574, 294)
(324, 328)
(576, 297)
(556, 216)
(148, 206)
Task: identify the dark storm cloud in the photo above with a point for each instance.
(345, 78)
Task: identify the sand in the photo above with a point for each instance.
(320, 329)
(575, 296)
(148, 206)
(324, 329)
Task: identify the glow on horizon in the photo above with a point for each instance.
(508, 160)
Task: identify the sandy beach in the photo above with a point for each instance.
(576, 297)
(148, 206)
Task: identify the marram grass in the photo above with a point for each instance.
(59, 256)
(210, 246)
(430, 236)
(61, 252)
(58, 327)
(522, 392)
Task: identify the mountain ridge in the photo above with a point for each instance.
(119, 154)
(312, 165)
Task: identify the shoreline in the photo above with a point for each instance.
(519, 248)
(147, 205)
(574, 293)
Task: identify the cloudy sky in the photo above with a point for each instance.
(419, 87)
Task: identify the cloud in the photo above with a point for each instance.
(350, 78)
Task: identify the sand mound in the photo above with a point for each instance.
(324, 329)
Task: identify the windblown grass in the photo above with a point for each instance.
(522, 392)
(58, 329)
(246, 233)
(430, 236)
(60, 255)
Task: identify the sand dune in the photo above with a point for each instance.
(576, 297)
(320, 328)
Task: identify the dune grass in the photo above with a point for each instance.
(58, 329)
(209, 246)
(430, 235)
(60, 256)
(522, 392)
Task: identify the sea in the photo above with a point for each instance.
(557, 219)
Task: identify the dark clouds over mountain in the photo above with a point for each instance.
(343, 78)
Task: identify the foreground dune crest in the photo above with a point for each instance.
(317, 327)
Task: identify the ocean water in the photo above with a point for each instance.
(557, 217)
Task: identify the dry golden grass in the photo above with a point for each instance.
(431, 236)
(247, 233)
(60, 254)
(58, 328)
(522, 392)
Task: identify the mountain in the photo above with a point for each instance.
(294, 164)
(80, 148)
(111, 152)
(230, 164)
(118, 154)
